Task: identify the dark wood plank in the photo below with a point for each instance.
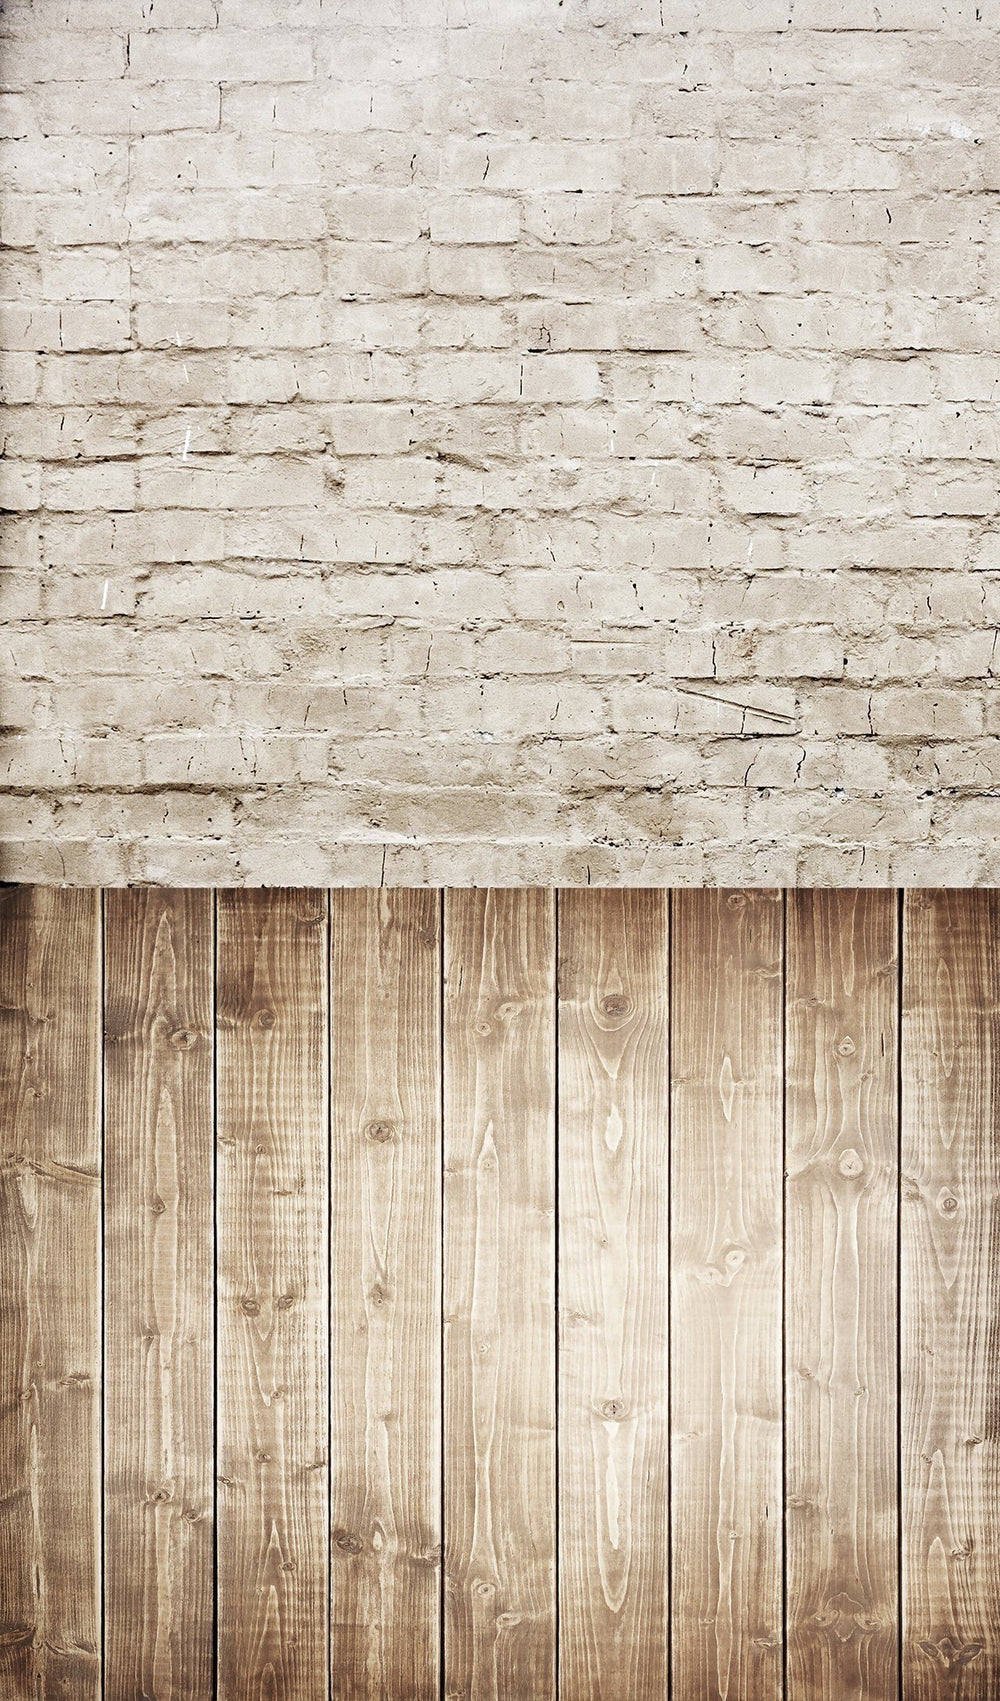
(613, 1294)
(273, 1311)
(386, 1296)
(841, 1479)
(726, 1206)
(50, 1294)
(950, 1318)
(499, 1338)
(159, 1277)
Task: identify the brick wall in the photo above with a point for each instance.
(518, 441)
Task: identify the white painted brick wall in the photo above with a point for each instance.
(500, 440)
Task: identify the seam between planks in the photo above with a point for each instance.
(669, 908)
(556, 1239)
(900, 930)
(102, 932)
(669, 913)
(328, 1525)
(784, 1306)
(442, 910)
(215, 1292)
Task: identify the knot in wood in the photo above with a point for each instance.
(850, 1163)
(381, 1133)
(182, 1039)
(157, 1207)
(947, 1202)
(736, 900)
(950, 1654)
(614, 1411)
(284, 1302)
(846, 1047)
(250, 1307)
(616, 1004)
(346, 1542)
(266, 1018)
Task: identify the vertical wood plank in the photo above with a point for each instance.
(726, 1205)
(50, 1294)
(613, 1294)
(386, 1295)
(159, 1277)
(950, 1319)
(499, 1341)
(841, 1295)
(273, 1313)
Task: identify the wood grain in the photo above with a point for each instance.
(50, 1294)
(726, 1199)
(273, 1314)
(950, 1314)
(499, 1348)
(613, 1294)
(841, 1296)
(386, 1296)
(159, 1278)
(612, 1524)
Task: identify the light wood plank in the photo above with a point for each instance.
(950, 1321)
(159, 1277)
(499, 1360)
(726, 1186)
(613, 1294)
(841, 1480)
(273, 1312)
(50, 1294)
(386, 1298)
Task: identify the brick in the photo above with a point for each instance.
(220, 55)
(165, 324)
(94, 325)
(124, 108)
(379, 215)
(475, 219)
(575, 219)
(756, 167)
(82, 488)
(548, 452)
(61, 56)
(678, 167)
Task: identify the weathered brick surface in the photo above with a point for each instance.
(500, 440)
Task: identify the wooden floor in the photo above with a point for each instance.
(499, 1294)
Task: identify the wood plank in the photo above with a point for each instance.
(841, 1478)
(613, 1294)
(726, 1197)
(499, 1299)
(50, 1294)
(159, 1276)
(950, 1315)
(273, 1311)
(386, 1296)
